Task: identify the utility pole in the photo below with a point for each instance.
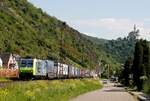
(61, 51)
(82, 52)
(99, 68)
(61, 48)
(108, 71)
(90, 60)
(1, 3)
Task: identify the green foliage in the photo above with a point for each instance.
(140, 68)
(28, 31)
(116, 51)
(57, 90)
(147, 87)
(137, 65)
(146, 59)
(120, 49)
(127, 71)
(141, 63)
(4, 79)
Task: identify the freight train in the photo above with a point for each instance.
(48, 69)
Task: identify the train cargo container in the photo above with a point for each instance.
(51, 69)
(1, 63)
(82, 72)
(71, 71)
(78, 72)
(87, 73)
(65, 70)
(59, 67)
(39, 68)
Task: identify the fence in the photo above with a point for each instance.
(9, 73)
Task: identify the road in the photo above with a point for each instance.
(108, 93)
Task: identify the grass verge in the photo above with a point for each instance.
(4, 79)
(56, 90)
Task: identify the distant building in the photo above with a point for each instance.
(9, 61)
(133, 35)
(1, 4)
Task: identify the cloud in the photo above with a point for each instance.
(147, 19)
(111, 26)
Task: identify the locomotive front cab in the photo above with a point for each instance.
(26, 68)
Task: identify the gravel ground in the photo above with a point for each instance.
(108, 93)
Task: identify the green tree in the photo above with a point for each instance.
(137, 64)
(127, 71)
(141, 63)
(146, 59)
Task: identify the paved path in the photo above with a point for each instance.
(108, 93)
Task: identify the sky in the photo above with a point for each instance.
(107, 19)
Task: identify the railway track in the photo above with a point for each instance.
(4, 84)
(8, 83)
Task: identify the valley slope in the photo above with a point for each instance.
(28, 31)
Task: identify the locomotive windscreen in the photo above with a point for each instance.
(26, 63)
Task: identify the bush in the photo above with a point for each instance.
(44, 90)
(147, 87)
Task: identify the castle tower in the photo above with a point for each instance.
(134, 27)
(134, 34)
(1, 3)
